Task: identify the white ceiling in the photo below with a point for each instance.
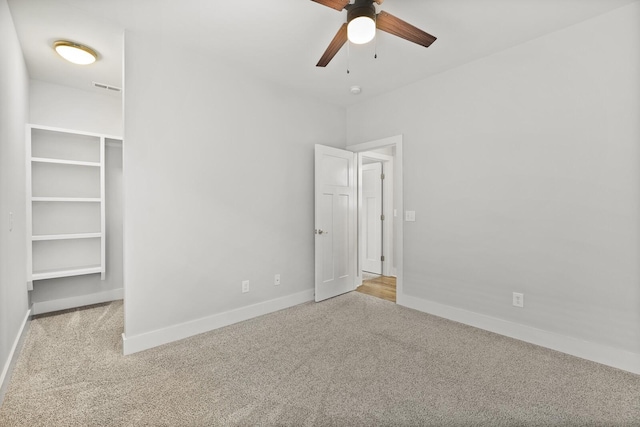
(282, 40)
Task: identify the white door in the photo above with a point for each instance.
(372, 218)
(335, 222)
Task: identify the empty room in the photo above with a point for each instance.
(319, 213)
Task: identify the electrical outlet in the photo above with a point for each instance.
(245, 286)
(410, 216)
(276, 280)
(518, 299)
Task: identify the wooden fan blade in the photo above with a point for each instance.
(333, 4)
(338, 41)
(396, 26)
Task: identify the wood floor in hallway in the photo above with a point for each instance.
(380, 286)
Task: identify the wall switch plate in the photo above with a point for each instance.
(410, 216)
(518, 299)
(245, 286)
(276, 280)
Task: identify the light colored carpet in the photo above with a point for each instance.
(354, 360)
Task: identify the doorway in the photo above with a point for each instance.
(380, 207)
(338, 206)
(376, 218)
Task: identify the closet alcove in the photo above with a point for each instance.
(74, 218)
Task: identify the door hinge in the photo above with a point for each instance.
(381, 217)
(382, 176)
(382, 258)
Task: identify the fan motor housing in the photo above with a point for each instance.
(361, 8)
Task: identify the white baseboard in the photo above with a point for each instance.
(13, 355)
(599, 353)
(80, 301)
(136, 343)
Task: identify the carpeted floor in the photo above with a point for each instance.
(354, 360)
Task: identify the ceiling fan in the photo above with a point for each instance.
(361, 25)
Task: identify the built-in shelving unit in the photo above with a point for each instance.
(65, 202)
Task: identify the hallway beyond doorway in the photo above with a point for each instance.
(383, 287)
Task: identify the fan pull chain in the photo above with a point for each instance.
(375, 41)
(348, 55)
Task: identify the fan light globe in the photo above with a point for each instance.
(361, 30)
(75, 53)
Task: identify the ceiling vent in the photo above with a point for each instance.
(107, 87)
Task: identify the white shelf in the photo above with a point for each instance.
(74, 132)
(67, 199)
(66, 236)
(65, 162)
(79, 271)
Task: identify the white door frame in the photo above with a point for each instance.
(393, 141)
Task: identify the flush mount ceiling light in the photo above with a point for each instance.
(361, 27)
(76, 53)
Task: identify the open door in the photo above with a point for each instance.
(335, 222)
(372, 218)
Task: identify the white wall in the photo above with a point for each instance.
(523, 169)
(71, 108)
(14, 109)
(218, 168)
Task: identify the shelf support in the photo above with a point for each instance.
(103, 248)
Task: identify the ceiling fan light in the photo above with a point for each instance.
(75, 53)
(362, 26)
(361, 30)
